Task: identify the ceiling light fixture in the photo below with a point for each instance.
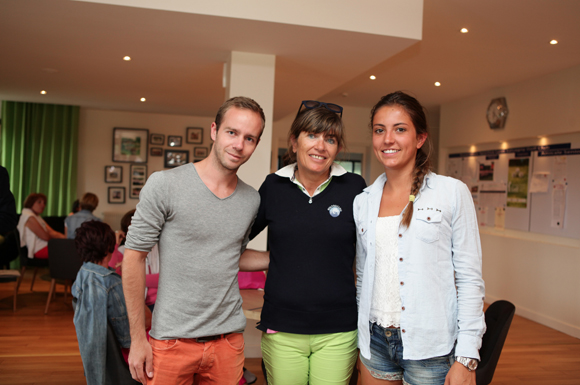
(127, 58)
(43, 92)
(143, 99)
(437, 84)
(463, 30)
(373, 77)
(554, 42)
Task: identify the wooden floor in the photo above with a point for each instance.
(42, 349)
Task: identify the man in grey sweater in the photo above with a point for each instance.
(201, 216)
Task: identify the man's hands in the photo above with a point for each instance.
(460, 375)
(141, 360)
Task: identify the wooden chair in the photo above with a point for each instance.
(26, 262)
(11, 276)
(498, 318)
(64, 265)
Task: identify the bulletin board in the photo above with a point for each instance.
(527, 185)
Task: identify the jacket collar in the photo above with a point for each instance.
(97, 269)
(428, 182)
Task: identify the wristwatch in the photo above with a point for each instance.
(469, 363)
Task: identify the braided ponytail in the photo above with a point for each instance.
(422, 167)
(422, 159)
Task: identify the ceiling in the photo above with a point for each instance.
(74, 51)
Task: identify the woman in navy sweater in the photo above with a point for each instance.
(309, 318)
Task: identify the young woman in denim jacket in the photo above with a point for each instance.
(419, 285)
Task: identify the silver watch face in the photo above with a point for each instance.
(469, 363)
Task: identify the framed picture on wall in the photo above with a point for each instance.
(174, 141)
(116, 195)
(137, 180)
(130, 145)
(156, 151)
(174, 158)
(194, 135)
(200, 152)
(157, 139)
(113, 174)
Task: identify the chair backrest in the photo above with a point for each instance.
(9, 250)
(117, 369)
(64, 262)
(498, 318)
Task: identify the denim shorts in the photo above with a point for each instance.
(387, 361)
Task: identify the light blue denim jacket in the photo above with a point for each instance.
(439, 266)
(99, 298)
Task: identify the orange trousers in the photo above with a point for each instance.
(185, 361)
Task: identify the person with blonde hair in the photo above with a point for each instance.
(88, 204)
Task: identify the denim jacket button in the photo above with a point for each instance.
(400, 235)
(402, 283)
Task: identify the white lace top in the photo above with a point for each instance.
(386, 300)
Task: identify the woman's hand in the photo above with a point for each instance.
(460, 375)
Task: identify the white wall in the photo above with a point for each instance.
(95, 151)
(538, 273)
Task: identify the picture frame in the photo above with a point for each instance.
(194, 135)
(175, 158)
(156, 151)
(130, 145)
(200, 152)
(137, 180)
(113, 174)
(116, 195)
(174, 141)
(157, 139)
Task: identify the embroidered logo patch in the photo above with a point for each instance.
(334, 211)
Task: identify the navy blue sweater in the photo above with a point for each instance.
(310, 287)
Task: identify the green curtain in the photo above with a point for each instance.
(39, 150)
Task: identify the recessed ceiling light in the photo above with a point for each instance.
(437, 84)
(127, 58)
(463, 30)
(373, 77)
(143, 99)
(553, 42)
(43, 92)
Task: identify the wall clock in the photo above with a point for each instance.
(497, 113)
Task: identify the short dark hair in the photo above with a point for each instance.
(241, 102)
(126, 220)
(94, 240)
(76, 206)
(315, 121)
(89, 201)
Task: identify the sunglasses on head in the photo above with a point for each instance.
(310, 104)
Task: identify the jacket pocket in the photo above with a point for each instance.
(428, 222)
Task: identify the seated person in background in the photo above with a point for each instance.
(34, 231)
(99, 294)
(76, 207)
(88, 204)
(151, 262)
